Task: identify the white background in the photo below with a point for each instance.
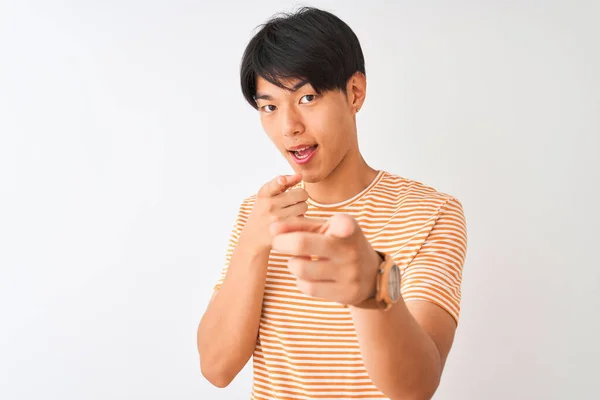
(126, 148)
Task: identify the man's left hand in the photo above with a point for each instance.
(331, 259)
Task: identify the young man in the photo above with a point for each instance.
(342, 281)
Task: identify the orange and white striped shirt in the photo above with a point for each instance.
(307, 348)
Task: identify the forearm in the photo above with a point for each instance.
(228, 330)
(401, 358)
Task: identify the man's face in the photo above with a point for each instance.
(313, 132)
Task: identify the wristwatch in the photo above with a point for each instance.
(387, 286)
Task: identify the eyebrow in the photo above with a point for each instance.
(264, 96)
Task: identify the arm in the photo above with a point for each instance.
(405, 348)
(229, 327)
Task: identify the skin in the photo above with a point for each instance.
(228, 329)
(405, 348)
(337, 170)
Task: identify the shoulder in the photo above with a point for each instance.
(248, 201)
(245, 207)
(407, 202)
(407, 191)
(419, 217)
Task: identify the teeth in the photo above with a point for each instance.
(298, 153)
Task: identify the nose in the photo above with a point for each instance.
(291, 123)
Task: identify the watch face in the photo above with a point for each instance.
(394, 283)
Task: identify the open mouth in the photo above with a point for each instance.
(303, 154)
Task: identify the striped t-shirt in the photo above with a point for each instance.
(307, 347)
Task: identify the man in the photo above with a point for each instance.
(342, 281)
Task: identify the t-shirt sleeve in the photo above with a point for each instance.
(435, 273)
(240, 222)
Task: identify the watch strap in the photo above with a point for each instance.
(381, 298)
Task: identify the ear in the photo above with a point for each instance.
(357, 91)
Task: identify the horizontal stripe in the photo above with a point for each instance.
(306, 347)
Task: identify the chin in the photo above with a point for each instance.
(310, 177)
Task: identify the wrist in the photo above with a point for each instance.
(255, 242)
(387, 285)
(371, 280)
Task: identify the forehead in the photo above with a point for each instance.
(266, 88)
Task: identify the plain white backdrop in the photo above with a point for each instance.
(126, 148)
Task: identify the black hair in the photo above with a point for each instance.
(309, 44)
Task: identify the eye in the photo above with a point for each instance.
(269, 108)
(309, 98)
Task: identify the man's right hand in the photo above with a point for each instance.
(274, 202)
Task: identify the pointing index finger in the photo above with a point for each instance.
(303, 224)
(280, 184)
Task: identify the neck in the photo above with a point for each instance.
(350, 177)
